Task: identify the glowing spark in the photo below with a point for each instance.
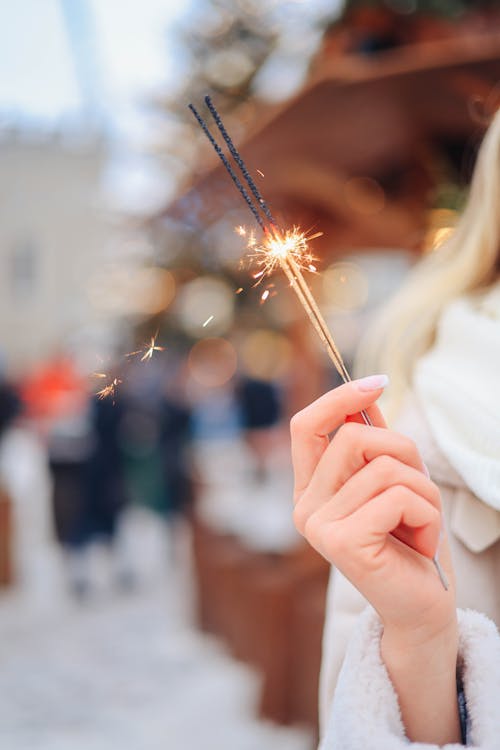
(208, 320)
(241, 231)
(109, 390)
(99, 375)
(312, 267)
(261, 173)
(148, 353)
(279, 246)
(239, 290)
(264, 295)
(147, 350)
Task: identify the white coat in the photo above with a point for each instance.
(457, 431)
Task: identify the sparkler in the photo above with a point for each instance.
(287, 249)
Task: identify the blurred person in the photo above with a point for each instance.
(10, 401)
(260, 409)
(412, 668)
(175, 443)
(25, 485)
(155, 436)
(10, 407)
(57, 404)
(105, 493)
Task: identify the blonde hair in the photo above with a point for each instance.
(467, 261)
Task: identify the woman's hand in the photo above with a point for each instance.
(365, 502)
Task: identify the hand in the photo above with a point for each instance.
(365, 502)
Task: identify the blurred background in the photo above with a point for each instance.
(153, 591)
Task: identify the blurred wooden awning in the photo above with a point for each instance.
(354, 153)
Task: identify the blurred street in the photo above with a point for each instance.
(128, 670)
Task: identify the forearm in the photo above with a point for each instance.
(423, 673)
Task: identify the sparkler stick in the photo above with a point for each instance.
(281, 257)
(227, 165)
(239, 161)
(277, 250)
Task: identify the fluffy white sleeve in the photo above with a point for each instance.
(365, 713)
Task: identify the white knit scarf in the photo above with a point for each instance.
(458, 385)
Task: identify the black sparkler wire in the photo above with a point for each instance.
(239, 161)
(230, 170)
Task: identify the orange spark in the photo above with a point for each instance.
(147, 350)
(264, 295)
(239, 290)
(278, 246)
(208, 320)
(241, 231)
(151, 348)
(109, 390)
(252, 241)
(261, 173)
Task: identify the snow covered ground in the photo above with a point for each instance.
(125, 670)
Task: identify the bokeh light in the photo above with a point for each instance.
(364, 195)
(212, 362)
(229, 67)
(203, 298)
(266, 355)
(441, 226)
(118, 290)
(345, 286)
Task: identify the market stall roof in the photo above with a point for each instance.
(354, 153)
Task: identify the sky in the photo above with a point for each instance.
(58, 57)
(92, 65)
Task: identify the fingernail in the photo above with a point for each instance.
(372, 383)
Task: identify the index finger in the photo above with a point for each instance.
(311, 427)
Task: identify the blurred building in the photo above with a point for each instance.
(51, 236)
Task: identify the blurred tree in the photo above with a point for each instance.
(224, 44)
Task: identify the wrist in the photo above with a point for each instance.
(421, 664)
(434, 646)
(427, 634)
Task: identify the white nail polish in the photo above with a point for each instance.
(372, 383)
